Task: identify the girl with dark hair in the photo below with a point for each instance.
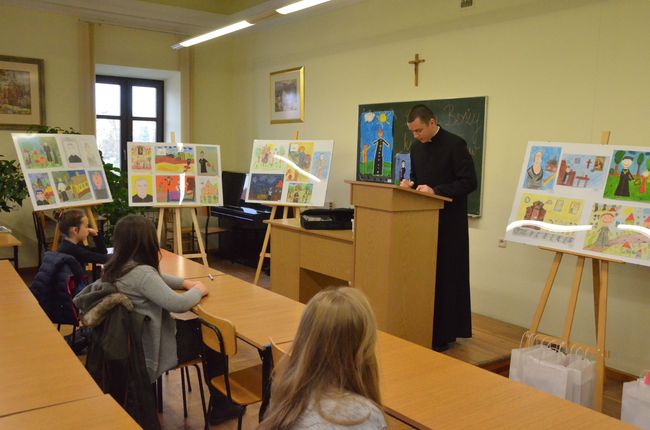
(134, 271)
(73, 226)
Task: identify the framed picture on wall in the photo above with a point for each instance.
(22, 102)
(288, 96)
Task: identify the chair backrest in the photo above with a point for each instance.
(217, 333)
(277, 352)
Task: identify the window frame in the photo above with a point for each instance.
(126, 117)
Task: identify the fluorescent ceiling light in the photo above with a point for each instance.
(214, 34)
(294, 7)
(548, 226)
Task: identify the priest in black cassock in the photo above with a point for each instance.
(442, 165)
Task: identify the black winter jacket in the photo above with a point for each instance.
(53, 289)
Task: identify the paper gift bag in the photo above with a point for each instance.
(545, 370)
(581, 384)
(517, 361)
(636, 404)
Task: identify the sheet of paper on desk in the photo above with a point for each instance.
(4, 229)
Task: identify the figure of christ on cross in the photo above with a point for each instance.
(379, 152)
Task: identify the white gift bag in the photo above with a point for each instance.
(517, 361)
(581, 383)
(545, 370)
(636, 404)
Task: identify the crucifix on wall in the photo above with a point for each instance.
(416, 64)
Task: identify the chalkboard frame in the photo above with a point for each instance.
(466, 117)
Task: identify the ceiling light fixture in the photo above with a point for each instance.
(213, 34)
(295, 7)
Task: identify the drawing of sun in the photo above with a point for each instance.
(382, 117)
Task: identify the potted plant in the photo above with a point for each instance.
(13, 189)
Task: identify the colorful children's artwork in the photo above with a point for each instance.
(41, 189)
(265, 156)
(60, 169)
(627, 178)
(402, 167)
(550, 209)
(208, 188)
(375, 152)
(168, 188)
(141, 156)
(174, 159)
(266, 187)
(299, 193)
(141, 194)
(207, 158)
(166, 174)
(577, 203)
(278, 164)
(542, 167)
(98, 184)
(72, 186)
(301, 153)
(610, 236)
(582, 171)
(321, 164)
(38, 151)
(73, 152)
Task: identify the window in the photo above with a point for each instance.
(128, 110)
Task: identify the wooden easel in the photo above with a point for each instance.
(600, 274)
(92, 222)
(285, 212)
(176, 230)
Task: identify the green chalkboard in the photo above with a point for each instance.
(464, 117)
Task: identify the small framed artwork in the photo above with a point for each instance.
(288, 96)
(22, 102)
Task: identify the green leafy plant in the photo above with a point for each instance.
(51, 130)
(13, 189)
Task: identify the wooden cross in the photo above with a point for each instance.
(416, 63)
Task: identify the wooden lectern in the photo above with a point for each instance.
(395, 252)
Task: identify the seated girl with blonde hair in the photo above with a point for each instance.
(330, 379)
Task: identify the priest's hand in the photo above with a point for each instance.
(406, 184)
(425, 189)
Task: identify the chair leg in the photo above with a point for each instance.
(205, 412)
(239, 420)
(183, 388)
(187, 377)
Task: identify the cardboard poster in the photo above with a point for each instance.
(166, 174)
(592, 199)
(61, 170)
(290, 172)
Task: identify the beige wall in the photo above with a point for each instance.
(552, 70)
(58, 40)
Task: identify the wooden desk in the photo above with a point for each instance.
(306, 261)
(258, 314)
(7, 240)
(173, 264)
(430, 390)
(37, 367)
(96, 413)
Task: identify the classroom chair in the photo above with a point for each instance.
(243, 387)
(185, 376)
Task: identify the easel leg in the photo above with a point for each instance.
(199, 239)
(178, 236)
(264, 246)
(91, 217)
(161, 222)
(546, 292)
(600, 335)
(595, 270)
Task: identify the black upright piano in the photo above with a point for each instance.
(245, 221)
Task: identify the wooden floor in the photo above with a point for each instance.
(489, 348)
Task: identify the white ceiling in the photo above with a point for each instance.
(157, 17)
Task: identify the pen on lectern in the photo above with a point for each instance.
(210, 276)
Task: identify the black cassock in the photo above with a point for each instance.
(446, 165)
